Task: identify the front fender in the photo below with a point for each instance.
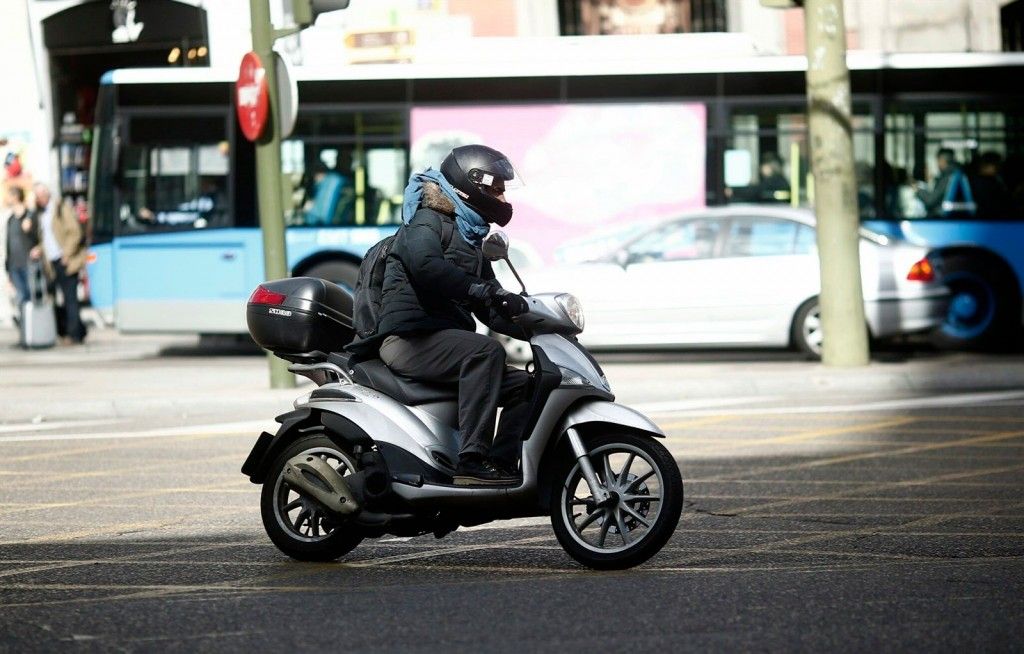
(594, 411)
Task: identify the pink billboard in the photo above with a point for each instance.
(592, 171)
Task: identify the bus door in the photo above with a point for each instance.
(179, 265)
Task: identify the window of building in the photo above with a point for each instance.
(599, 17)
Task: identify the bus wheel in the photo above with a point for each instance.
(982, 305)
(340, 272)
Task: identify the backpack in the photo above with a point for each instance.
(370, 282)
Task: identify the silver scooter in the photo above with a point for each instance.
(369, 453)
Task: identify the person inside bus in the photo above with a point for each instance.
(907, 204)
(990, 191)
(773, 187)
(207, 208)
(329, 196)
(431, 292)
(948, 169)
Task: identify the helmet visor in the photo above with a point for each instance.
(496, 177)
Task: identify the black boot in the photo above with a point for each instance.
(475, 470)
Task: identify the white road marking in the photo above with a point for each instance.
(954, 400)
(701, 407)
(253, 427)
(686, 405)
(47, 426)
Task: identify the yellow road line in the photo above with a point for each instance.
(874, 455)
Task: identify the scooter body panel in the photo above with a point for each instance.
(386, 420)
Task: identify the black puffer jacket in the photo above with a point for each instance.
(426, 286)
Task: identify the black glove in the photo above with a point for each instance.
(504, 302)
(509, 304)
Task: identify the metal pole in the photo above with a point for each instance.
(268, 174)
(835, 189)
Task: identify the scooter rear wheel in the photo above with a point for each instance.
(633, 525)
(298, 525)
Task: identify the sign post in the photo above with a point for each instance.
(268, 158)
(258, 101)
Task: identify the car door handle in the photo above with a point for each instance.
(228, 256)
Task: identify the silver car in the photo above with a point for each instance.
(739, 276)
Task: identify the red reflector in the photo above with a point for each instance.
(921, 271)
(262, 296)
(91, 257)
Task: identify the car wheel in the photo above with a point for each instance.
(982, 306)
(806, 333)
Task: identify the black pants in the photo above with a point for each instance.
(477, 363)
(72, 320)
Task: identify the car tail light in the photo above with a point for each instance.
(922, 271)
(263, 296)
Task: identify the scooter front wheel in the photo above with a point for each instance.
(298, 525)
(641, 513)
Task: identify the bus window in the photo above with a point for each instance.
(954, 161)
(765, 157)
(345, 170)
(173, 179)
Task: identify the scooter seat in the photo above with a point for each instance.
(374, 374)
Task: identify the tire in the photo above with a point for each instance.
(568, 485)
(340, 272)
(805, 333)
(341, 539)
(983, 305)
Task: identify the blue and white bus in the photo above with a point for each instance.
(601, 140)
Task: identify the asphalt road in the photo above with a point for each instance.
(887, 520)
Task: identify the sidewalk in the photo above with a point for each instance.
(117, 376)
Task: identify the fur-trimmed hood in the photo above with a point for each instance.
(434, 198)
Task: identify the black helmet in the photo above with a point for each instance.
(480, 174)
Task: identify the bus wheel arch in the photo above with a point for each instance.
(985, 299)
(339, 267)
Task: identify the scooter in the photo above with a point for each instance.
(369, 453)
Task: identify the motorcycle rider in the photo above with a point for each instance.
(430, 292)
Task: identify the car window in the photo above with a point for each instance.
(761, 237)
(678, 241)
(806, 242)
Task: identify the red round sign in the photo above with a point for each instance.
(251, 99)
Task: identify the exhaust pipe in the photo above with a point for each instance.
(316, 478)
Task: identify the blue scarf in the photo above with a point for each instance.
(472, 226)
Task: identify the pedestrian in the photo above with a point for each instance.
(22, 242)
(433, 285)
(64, 254)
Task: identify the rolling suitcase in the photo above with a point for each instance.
(38, 321)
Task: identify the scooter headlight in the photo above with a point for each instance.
(572, 308)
